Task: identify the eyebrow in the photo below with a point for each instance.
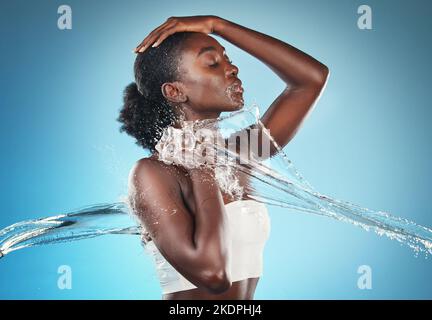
(205, 49)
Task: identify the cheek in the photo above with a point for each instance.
(206, 88)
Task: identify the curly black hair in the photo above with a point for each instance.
(146, 112)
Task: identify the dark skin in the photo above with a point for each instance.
(184, 210)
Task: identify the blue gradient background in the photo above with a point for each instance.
(367, 141)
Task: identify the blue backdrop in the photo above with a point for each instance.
(367, 141)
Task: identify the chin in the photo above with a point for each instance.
(234, 105)
(240, 105)
(234, 108)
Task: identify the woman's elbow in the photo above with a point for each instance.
(217, 281)
(325, 73)
(318, 81)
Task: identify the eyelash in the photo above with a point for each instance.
(216, 64)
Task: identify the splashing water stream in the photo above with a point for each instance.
(273, 181)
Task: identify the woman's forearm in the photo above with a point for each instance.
(293, 66)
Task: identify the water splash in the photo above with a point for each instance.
(83, 223)
(274, 181)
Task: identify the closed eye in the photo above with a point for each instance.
(216, 63)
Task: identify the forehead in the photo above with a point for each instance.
(200, 43)
(190, 60)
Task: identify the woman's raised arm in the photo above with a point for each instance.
(304, 76)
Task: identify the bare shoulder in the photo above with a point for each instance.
(150, 170)
(155, 194)
(150, 177)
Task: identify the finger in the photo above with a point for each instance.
(153, 38)
(155, 30)
(170, 23)
(148, 42)
(163, 36)
(165, 24)
(146, 39)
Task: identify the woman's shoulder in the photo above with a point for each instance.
(148, 162)
(150, 169)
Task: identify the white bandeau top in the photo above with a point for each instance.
(250, 229)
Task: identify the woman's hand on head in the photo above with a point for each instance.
(204, 24)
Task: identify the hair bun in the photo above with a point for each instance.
(131, 93)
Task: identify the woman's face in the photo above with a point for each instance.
(208, 78)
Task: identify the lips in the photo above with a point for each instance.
(237, 86)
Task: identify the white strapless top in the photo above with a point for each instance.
(250, 228)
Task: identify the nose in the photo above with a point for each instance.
(232, 70)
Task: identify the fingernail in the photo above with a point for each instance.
(154, 45)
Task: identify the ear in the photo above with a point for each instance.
(172, 92)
